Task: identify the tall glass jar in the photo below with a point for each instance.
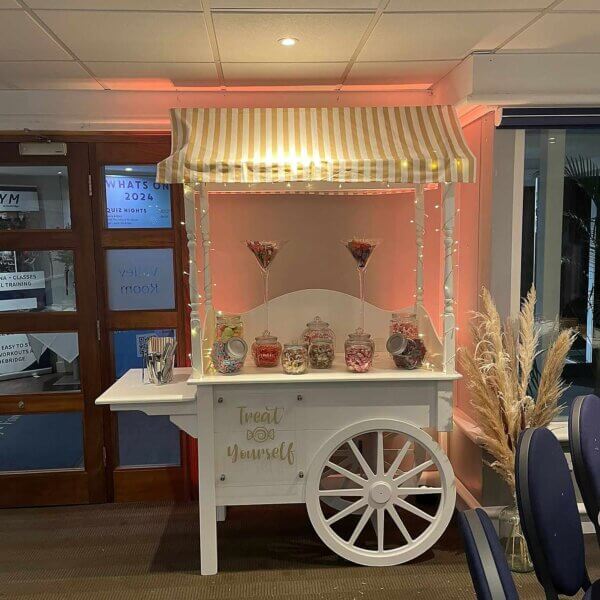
(359, 350)
(318, 329)
(405, 322)
(512, 539)
(266, 350)
(321, 353)
(229, 326)
(294, 359)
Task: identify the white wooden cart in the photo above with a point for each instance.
(378, 488)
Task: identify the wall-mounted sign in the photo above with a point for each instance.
(15, 353)
(137, 203)
(140, 279)
(18, 198)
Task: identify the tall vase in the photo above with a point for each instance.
(512, 539)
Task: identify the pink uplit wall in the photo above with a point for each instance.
(314, 257)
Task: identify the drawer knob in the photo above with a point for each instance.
(222, 478)
(301, 474)
(299, 397)
(220, 399)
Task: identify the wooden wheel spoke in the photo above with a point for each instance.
(421, 491)
(364, 465)
(414, 510)
(414, 471)
(348, 474)
(360, 525)
(339, 492)
(399, 524)
(380, 468)
(380, 529)
(399, 458)
(347, 511)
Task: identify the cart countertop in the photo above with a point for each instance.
(129, 389)
(382, 370)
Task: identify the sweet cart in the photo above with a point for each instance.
(364, 451)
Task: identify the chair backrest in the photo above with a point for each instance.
(584, 440)
(549, 514)
(489, 570)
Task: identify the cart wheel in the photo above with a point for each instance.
(377, 494)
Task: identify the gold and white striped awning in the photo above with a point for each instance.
(403, 144)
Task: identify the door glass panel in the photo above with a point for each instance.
(34, 198)
(561, 199)
(134, 200)
(143, 440)
(37, 280)
(35, 442)
(31, 363)
(140, 279)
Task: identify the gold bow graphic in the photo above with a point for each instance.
(260, 434)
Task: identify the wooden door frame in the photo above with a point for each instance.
(138, 483)
(63, 486)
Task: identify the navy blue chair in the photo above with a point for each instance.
(549, 516)
(489, 570)
(584, 440)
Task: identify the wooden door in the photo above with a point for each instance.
(140, 248)
(51, 433)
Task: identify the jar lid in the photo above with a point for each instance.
(360, 335)
(396, 344)
(404, 314)
(317, 323)
(321, 340)
(236, 348)
(294, 346)
(221, 316)
(266, 338)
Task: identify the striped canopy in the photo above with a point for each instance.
(403, 144)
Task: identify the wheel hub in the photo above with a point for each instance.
(380, 492)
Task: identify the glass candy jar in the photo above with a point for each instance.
(266, 350)
(294, 359)
(229, 326)
(228, 357)
(321, 353)
(405, 322)
(317, 328)
(359, 349)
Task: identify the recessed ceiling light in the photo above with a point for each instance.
(128, 169)
(288, 41)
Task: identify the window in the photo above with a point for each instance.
(560, 237)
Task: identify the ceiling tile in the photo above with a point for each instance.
(578, 5)
(22, 39)
(400, 36)
(283, 74)
(296, 4)
(152, 76)
(131, 36)
(8, 4)
(560, 32)
(472, 5)
(419, 71)
(171, 5)
(325, 37)
(47, 75)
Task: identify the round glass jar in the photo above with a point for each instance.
(229, 326)
(318, 329)
(266, 350)
(321, 353)
(412, 356)
(405, 322)
(359, 349)
(294, 359)
(228, 357)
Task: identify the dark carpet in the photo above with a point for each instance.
(150, 551)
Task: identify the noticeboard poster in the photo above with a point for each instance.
(18, 198)
(15, 353)
(137, 202)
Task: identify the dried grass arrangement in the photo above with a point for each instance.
(498, 370)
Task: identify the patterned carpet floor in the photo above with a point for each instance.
(150, 551)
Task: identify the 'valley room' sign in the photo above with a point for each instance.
(18, 198)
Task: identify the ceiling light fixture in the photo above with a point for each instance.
(288, 41)
(128, 169)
